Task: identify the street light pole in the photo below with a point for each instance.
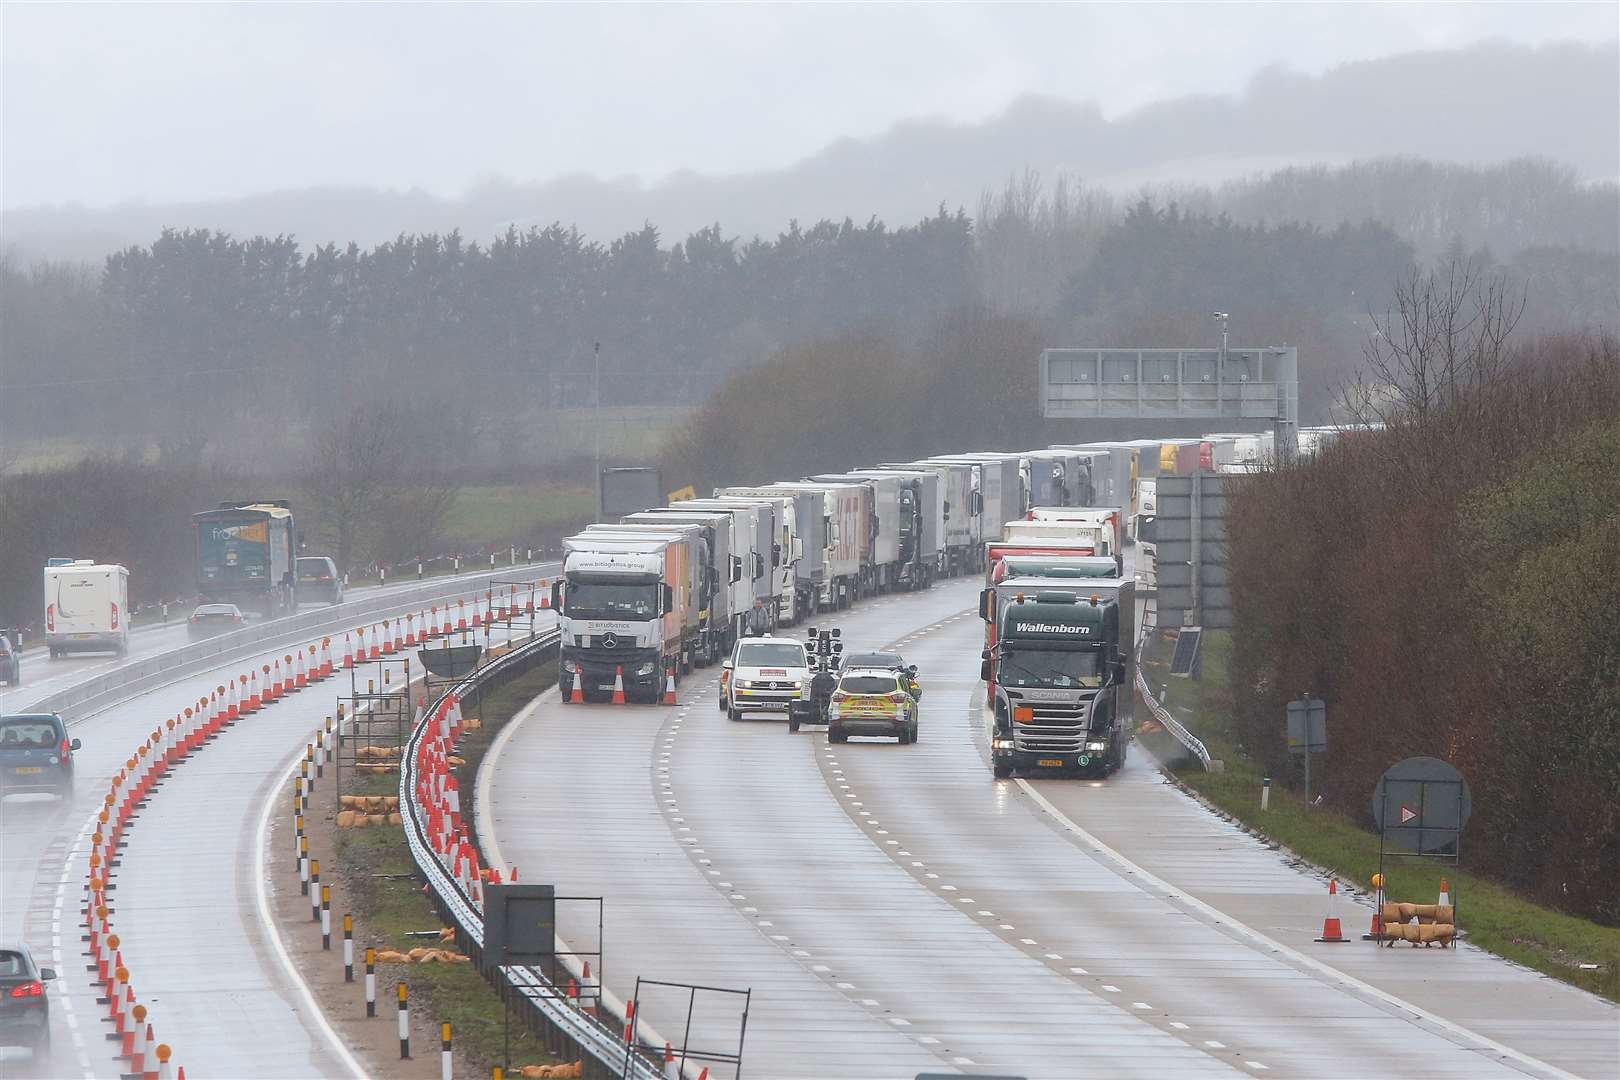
(596, 418)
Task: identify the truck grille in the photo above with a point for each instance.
(1058, 727)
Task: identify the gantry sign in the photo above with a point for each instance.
(1175, 384)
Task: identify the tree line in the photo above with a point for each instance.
(252, 343)
(1447, 584)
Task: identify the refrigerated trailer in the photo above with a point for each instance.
(962, 535)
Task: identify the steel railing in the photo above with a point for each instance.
(138, 676)
(1170, 723)
(545, 1000)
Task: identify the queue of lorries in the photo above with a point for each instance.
(648, 597)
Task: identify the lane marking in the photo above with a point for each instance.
(261, 903)
(1255, 937)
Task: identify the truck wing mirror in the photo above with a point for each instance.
(736, 569)
(987, 599)
(984, 671)
(978, 503)
(556, 594)
(759, 566)
(798, 549)
(669, 598)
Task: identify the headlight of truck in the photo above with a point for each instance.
(1096, 747)
(646, 669)
(570, 665)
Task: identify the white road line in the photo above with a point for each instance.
(1220, 918)
(261, 901)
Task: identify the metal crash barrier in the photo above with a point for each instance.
(457, 893)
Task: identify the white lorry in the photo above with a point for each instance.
(797, 550)
(627, 607)
(86, 608)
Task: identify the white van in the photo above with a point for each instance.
(86, 607)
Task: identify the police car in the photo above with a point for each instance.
(872, 701)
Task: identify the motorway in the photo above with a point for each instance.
(188, 903)
(895, 910)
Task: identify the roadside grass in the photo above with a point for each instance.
(515, 512)
(632, 433)
(1492, 917)
(388, 893)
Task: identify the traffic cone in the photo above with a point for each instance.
(671, 1070)
(629, 1022)
(348, 651)
(300, 676)
(587, 990)
(461, 614)
(669, 686)
(253, 693)
(618, 684)
(545, 594)
(376, 649)
(1445, 893)
(578, 696)
(410, 631)
(1330, 922)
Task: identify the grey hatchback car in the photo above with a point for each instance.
(25, 1010)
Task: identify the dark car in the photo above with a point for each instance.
(211, 619)
(890, 660)
(25, 1009)
(10, 659)
(36, 754)
(318, 579)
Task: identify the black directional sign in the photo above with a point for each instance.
(1421, 806)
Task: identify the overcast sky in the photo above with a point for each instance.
(159, 103)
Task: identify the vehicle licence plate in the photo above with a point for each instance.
(27, 770)
(83, 637)
(1051, 762)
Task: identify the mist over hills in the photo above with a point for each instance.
(1478, 105)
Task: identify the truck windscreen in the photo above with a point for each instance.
(1054, 669)
(594, 600)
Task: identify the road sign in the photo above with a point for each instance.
(1421, 806)
(520, 924)
(1307, 725)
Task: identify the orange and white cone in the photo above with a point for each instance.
(348, 651)
(1445, 893)
(545, 594)
(577, 696)
(1331, 931)
(669, 685)
(618, 684)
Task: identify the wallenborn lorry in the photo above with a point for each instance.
(1062, 672)
(627, 606)
(246, 556)
(86, 607)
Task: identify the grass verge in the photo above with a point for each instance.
(388, 895)
(1493, 918)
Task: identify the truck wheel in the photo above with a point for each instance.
(1001, 769)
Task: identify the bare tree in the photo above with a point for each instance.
(353, 470)
(1445, 339)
